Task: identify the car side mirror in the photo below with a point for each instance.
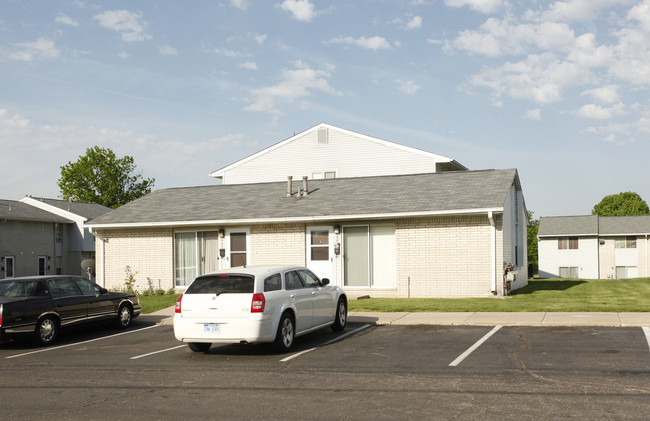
(103, 290)
(324, 281)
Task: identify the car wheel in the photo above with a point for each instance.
(199, 346)
(124, 316)
(341, 316)
(286, 333)
(47, 329)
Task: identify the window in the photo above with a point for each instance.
(566, 243)
(369, 256)
(87, 287)
(222, 284)
(308, 279)
(624, 272)
(273, 283)
(569, 272)
(63, 287)
(9, 267)
(292, 281)
(42, 265)
(320, 248)
(319, 175)
(196, 253)
(628, 242)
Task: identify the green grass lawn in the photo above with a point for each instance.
(151, 303)
(574, 295)
(609, 295)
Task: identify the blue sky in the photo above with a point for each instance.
(557, 89)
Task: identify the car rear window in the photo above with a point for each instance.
(222, 284)
(23, 289)
(273, 283)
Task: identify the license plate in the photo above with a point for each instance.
(212, 327)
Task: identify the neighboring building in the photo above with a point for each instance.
(325, 151)
(45, 236)
(446, 234)
(594, 247)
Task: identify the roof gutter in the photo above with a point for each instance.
(494, 251)
(322, 218)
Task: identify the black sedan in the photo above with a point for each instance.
(41, 305)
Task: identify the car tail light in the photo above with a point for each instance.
(177, 308)
(0, 314)
(257, 306)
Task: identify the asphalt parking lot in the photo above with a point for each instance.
(364, 372)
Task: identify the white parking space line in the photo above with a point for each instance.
(350, 333)
(473, 347)
(646, 330)
(156, 352)
(79, 343)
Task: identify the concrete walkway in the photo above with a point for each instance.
(166, 315)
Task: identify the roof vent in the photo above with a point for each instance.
(289, 186)
(305, 190)
(323, 136)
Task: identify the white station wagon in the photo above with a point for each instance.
(257, 304)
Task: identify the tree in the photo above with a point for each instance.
(100, 177)
(533, 226)
(627, 203)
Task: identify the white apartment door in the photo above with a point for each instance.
(237, 251)
(320, 251)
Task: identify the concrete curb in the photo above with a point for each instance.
(165, 317)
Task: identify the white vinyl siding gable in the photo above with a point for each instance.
(344, 154)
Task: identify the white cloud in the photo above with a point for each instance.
(580, 10)
(128, 24)
(483, 6)
(535, 114)
(605, 94)
(295, 84)
(240, 4)
(249, 65)
(260, 38)
(598, 112)
(408, 86)
(373, 43)
(28, 51)
(540, 78)
(66, 20)
(167, 50)
(302, 10)
(228, 53)
(415, 23)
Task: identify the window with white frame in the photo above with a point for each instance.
(569, 272)
(195, 253)
(369, 256)
(628, 242)
(319, 175)
(624, 272)
(567, 243)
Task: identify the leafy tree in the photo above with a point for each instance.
(533, 226)
(627, 203)
(100, 177)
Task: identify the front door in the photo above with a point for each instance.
(320, 251)
(236, 248)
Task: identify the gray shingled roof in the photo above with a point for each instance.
(593, 225)
(613, 225)
(568, 226)
(19, 211)
(87, 210)
(335, 198)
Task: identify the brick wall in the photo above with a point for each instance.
(149, 252)
(278, 244)
(446, 256)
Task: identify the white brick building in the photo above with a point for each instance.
(446, 234)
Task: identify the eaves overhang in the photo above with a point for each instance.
(306, 219)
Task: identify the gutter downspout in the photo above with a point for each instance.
(102, 266)
(490, 216)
